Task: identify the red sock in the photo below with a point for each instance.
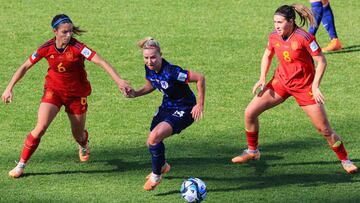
(29, 148)
(83, 142)
(252, 138)
(341, 152)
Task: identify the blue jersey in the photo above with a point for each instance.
(172, 81)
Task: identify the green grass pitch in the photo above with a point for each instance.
(224, 40)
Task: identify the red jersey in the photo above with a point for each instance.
(296, 67)
(66, 72)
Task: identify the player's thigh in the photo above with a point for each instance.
(261, 102)
(46, 114)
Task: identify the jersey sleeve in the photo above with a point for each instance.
(87, 52)
(147, 74)
(312, 46)
(270, 45)
(180, 74)
(37, 55)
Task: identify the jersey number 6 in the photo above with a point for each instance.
(61, 68)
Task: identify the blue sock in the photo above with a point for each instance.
(329, 22)
(157, 156)
(317, 9)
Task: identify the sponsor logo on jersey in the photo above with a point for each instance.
(313, 46)
(178, 114)
(34, 55)
(86, 52)
(182, 77)
(164, 84)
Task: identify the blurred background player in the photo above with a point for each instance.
(323, 13)
(295, 76)
(178, 110)
(65, 84)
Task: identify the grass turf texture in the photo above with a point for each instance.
(222, 39)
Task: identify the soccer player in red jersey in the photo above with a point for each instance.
(295, 76)
(66, 85)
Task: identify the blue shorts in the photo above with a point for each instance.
(178, 119)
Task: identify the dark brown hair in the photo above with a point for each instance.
(62, 18)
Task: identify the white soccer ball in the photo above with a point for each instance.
(193, 190)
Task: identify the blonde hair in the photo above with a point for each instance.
(149, 43)
(305, 14)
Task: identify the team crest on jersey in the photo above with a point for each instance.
(182, 77)
(69, 55)
(277, 44)
(294, 45)
(86, 52)
(34, 55)
(164, 84)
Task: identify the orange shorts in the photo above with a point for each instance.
(303, 95)
(73, 105)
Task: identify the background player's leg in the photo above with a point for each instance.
(328, 21)
(317, 9)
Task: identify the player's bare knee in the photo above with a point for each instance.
(153, 138)
(249, 115)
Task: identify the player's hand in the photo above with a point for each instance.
(125, 87)
(197, 112)
(7, 96)
(130, 93)
(259, 84)
(318, 96)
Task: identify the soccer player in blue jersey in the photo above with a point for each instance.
(323, 13)
(178, 110)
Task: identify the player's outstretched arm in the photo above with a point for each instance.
(123, 85)
(146, 89)
(198, 109)
(7, 94)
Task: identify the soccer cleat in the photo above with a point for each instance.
(349, 166)
(246, 156)
(151, 184)
(17, 171)
(334, 45)
(84, 152)
(164, 169)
